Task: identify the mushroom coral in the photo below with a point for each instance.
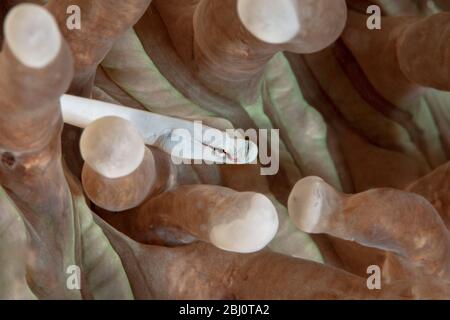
(359, 122)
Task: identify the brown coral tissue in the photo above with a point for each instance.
(225, 149)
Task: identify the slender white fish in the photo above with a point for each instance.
(167, 133)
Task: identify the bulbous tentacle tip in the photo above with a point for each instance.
(270, 21)
(112, 147)
(32, 35)
(309, 203)
(250, 231)
(304, 26)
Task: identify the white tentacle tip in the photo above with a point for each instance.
(270, 21)
(32, 35)
(252, 231)
(112, 146)
(306, 203)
